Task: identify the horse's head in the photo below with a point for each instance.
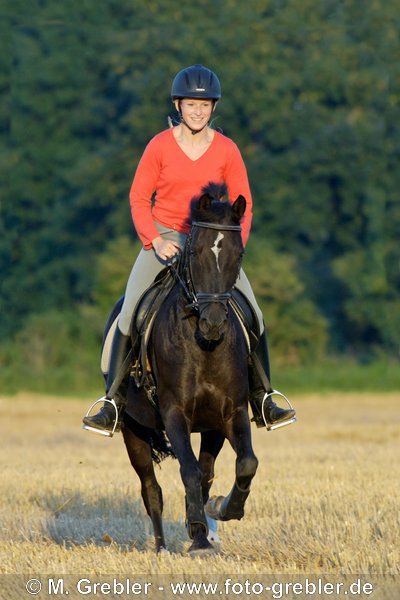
(215, 251)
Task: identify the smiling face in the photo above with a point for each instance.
(195, 112)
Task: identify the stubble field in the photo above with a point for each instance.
(325, 499)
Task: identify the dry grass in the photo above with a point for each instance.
(325, 498)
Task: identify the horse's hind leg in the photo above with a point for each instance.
(139, 452)
(232, 506)
(210, 447)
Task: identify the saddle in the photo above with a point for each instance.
(142, 324)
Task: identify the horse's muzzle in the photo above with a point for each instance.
(213, 322)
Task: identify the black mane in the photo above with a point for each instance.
(215, 190)
(217, 210)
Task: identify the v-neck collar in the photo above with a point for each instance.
(188, 157)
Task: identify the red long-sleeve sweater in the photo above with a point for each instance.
(166, 170)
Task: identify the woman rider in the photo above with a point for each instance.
(176, 164)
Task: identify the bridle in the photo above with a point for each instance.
(199, 300)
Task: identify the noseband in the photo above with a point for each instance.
(198, 300)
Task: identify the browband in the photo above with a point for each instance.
(219, 226)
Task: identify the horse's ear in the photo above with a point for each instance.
(204, 202)
(239, 206)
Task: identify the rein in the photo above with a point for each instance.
(200, 299)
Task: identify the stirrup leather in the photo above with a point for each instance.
(106, 432)
(283, 423)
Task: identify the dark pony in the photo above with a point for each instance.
(199, 359)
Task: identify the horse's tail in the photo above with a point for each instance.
(157, 440)
(160, 446)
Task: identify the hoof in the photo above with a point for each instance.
(228, 507)
(202, 552)
(213, 507)
(163, 552)
(201, 546)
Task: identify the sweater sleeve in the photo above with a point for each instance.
(237, 181)
(142, 189)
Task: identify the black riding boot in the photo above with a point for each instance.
(273, 413)
(116, 378)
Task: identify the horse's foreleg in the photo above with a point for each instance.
(139, 452)
(232, 506)
(191, 474)
(210, 447)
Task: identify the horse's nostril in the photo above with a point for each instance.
(202, 324)
(212, 330)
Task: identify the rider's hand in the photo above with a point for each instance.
(165, 249)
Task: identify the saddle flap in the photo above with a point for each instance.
(151, 301)
(246, 316)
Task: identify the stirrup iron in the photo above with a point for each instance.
(269, 426)
(106, 432)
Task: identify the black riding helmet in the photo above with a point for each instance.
(196, 82)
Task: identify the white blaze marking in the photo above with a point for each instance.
(215, 248)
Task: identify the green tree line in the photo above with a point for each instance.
(311, 94)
